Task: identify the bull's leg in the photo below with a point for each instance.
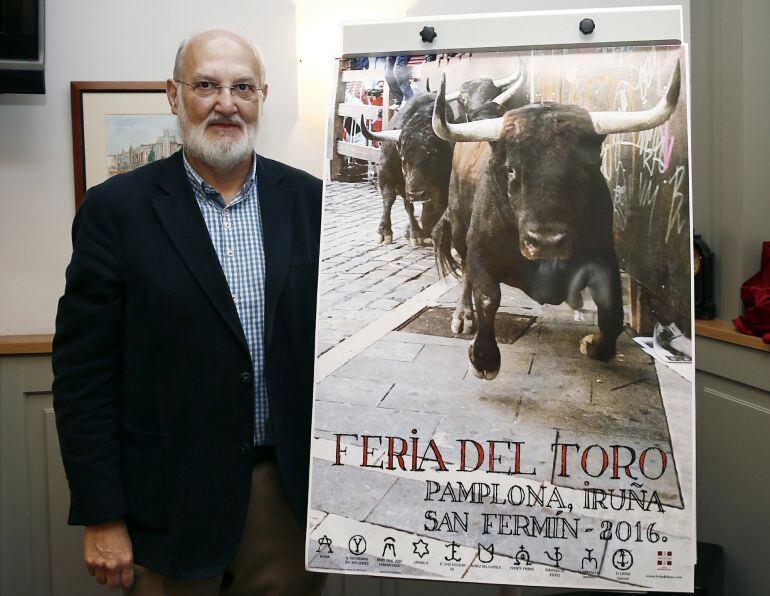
(429, 218)
(604, 285)
(385, 232)
(483, 351)
(413, 231)
(463, 320)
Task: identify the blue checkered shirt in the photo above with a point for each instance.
(236, 232)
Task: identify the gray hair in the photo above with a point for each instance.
(182, 50)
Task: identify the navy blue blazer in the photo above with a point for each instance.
(152, 375)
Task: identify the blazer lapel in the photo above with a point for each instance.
(276, 201)
(180, 215)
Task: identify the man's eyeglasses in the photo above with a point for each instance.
(210, 90)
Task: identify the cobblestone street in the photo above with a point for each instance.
(360, 280)
(374, 377)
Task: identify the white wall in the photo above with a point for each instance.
(108, 40)
(736, 55)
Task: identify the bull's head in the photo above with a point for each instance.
(472, 95)
(425, 158)
(547, 158)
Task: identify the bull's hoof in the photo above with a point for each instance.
(483, 375)
(596, 347)
(383, 237)
(463, 321)
(484, 362)
(415, 237)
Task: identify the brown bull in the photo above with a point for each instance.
(529, 207)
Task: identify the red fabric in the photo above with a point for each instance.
(755, 294)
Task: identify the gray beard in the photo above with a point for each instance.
(222, 155)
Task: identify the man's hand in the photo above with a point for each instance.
(108, 554)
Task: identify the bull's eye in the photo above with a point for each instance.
(511, 174)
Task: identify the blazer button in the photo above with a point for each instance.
(245, 448)
(245, 378)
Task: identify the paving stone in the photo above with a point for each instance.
(327, 301)
(346, 277)
(393, 350)
(368, 368)
(377, 276)
(365, 267)
(358, 285)
(322, 347)
(334, 330)
(358, 300)
(439, 398)
(623, 398)
(352, 391)
(434, 340)
(342, 326)
(384, 304)
(355, 315)
(331, 418)
(329, 489)
(454, 357)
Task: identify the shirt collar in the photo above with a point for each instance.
(209, 192)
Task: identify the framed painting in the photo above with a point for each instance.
(118, 126)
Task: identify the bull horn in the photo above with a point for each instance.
(611, 122)
(510, 79)
(383, 136)
(503, 98)
(481, 130)
(452, 96)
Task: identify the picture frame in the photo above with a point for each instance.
(113, 124)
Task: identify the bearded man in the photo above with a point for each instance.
(183, 354)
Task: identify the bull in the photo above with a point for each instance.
(473, 97)
(415, 164)
(529, 207)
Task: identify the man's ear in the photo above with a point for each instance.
(172, 92)
(264, 92)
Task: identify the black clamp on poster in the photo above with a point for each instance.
(587, 26)
(428, 34)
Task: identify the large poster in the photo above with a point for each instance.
(503, 373)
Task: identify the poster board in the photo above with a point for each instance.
(547, 467)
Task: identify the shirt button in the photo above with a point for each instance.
(245, 378)
(230, 252)
(245, 448)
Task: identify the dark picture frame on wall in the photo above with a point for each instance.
(118, 126)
